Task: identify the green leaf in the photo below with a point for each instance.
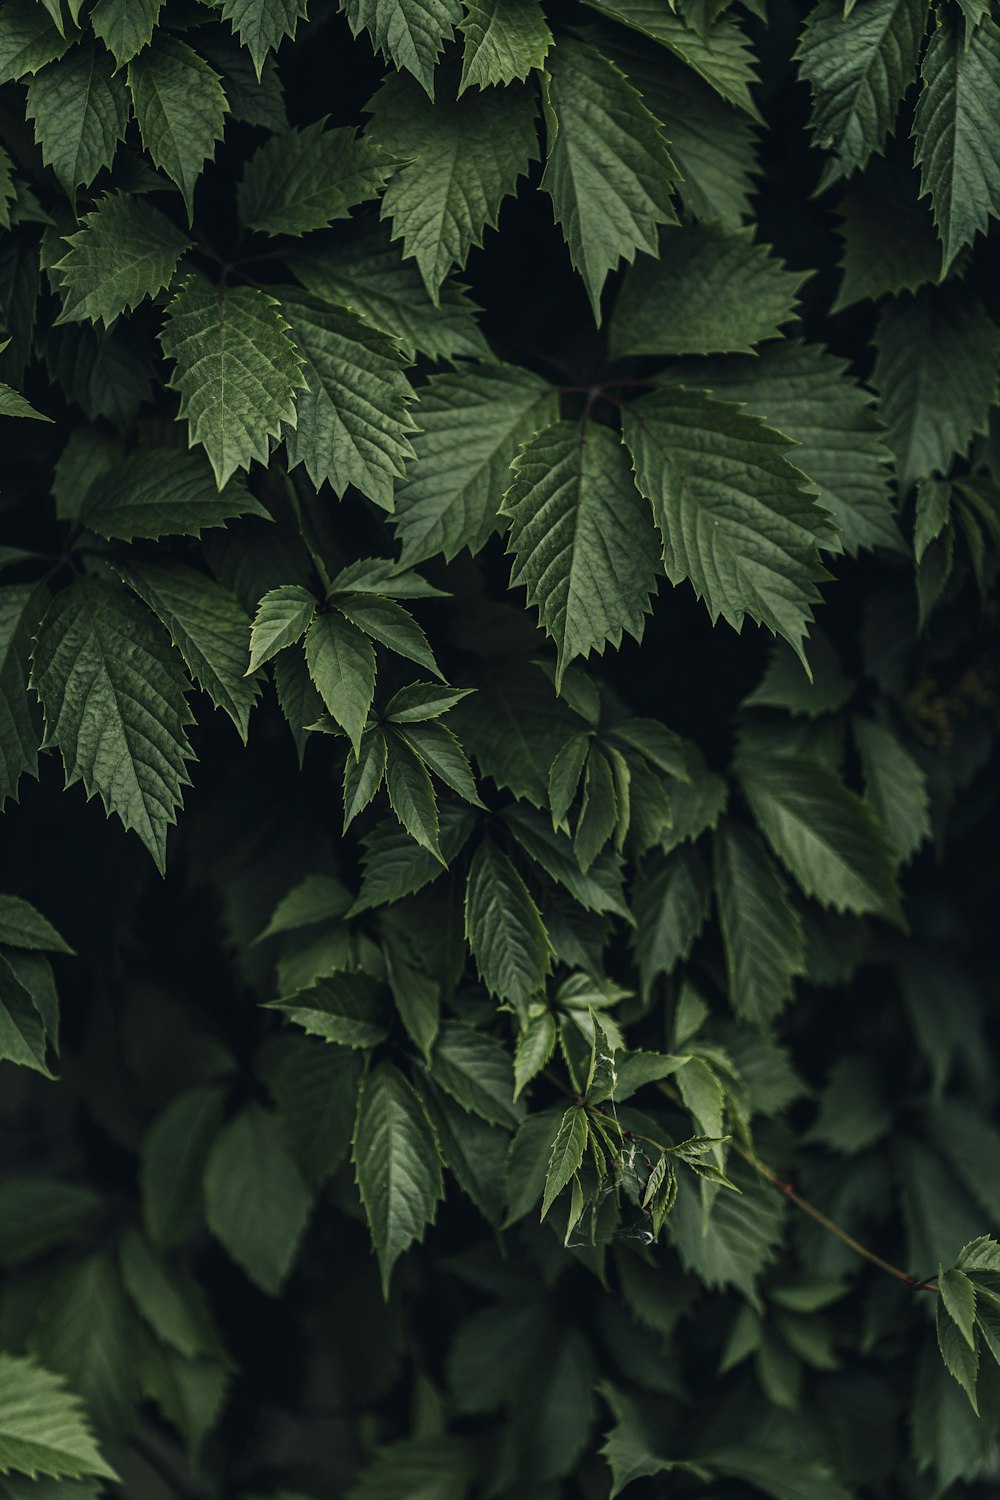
(169, 1302)
(342, 665)
(785, 684)
(958, 1294)
(566, 1155)
(283, 617)
(344, 1009)
(631, 1447)
(464, 158)
(599, 810)
(936, 371)
(806, 393)
(13, 404)
(889, 239)
(733, 513)
(256, 1203)
(762, 933)
(396, 1162)
(41, 1213)
(125, 26)
(475, 1070)
(411, 795)
(515, 726)
(535, 1045)
(163, 492)
(301, 180)
(21, 607)
(504, 928)
(181, 108)
(420, 701)
(409, 33)
(28, 40)
(504, 41)
(442, 753)
(208, 627)
(363, 777)
(390, 624)
(858, 68)
(22, 1028)
(172, 1160)
(712, 290)
(315, 1088)
(112, 691)
(236, 371)
(739, 1238)
(961, 1359)
(421, 1468)
(83, 1329)
(23, 926)
(125, 251)
(396, 866)
(580, 539)
(895, 788)
(352, 423)
(823, 834)
(954, 130)
(80, 109)
(609, 173)
(263, 24)
(671, 901)
(42, 1427)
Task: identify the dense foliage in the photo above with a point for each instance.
(540, 1037)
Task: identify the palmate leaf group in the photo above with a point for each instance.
(498, 727)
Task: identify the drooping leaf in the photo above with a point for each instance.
(344, 1009)
(80, 109)
(342, 665)
(410, 33)
(504, 927)
(262, 25)
(566, 1155)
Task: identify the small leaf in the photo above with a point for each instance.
(566, 1156)
(42, 1427)
(180, 106)
(504, 927)
(283, 617)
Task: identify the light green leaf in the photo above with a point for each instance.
(112, 691)
(256, 1203)
(937, 357)
(823, 834)
(236, 371)
(342, 665)
(474, 1068)
(181, 108)
(411, 795)
(125, 26)
(472, 425)
(396, 1161)
(504, 41)
(283, 617)
(671, 902)
(21, 608)
(163, 492)
(23, 926)
(344, 1009)
(733, 513)
(895, 788)
(761, 932)
(80, 109)
(409, 33)
(125, 251)
(566, 1155)
(42, 1426)
(353, 425)
(580, 539)
(954, 130)
(263, 24)
(609, 173)
(712, 290)
(464, 156)
(504, 928)
(301, 180)
(209, 628)
(172, 1159)
(858, 68)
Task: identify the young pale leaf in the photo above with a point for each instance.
(125, 26)
(42, 1426)
(125, 251)
(580, 539)
(163, 492)
(344, 1009)
(442, 753)
(858, 67)
(474, 1068)
(342, 665)
(954, 130)
(504, 928)
(411, 795)
(895, 788)
(397, 1165)
(21, 608)
(283, 617)
(504, 41)
(80, 109)
(823, 834)
(113, 694)
(671, 901)
(22, 1028)
(937, 356)
(464, 157)
(712, 290)
(23, 926)
(762, 933)
(734, 515)
(263, 24)
(180, 106)
(352, 423)
(256, 1203)
(566, 1155)
(236, 371)
(609, 173)
(410, 33)
(209, 628)
(472, 425)
(301, 180)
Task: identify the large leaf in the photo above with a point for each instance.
(180, 106)
(163, 492)
(236, 370)
(580, 538)
(761, 931)
(472, 425)
(735, 517)
(112, 691)
(957, 147)
(609, 173)
(125, 251)
(464, 157)
(80, 109)
(504, 927)
(304, 179)
(410, 33)
(42, 1427)
(398, 1169)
